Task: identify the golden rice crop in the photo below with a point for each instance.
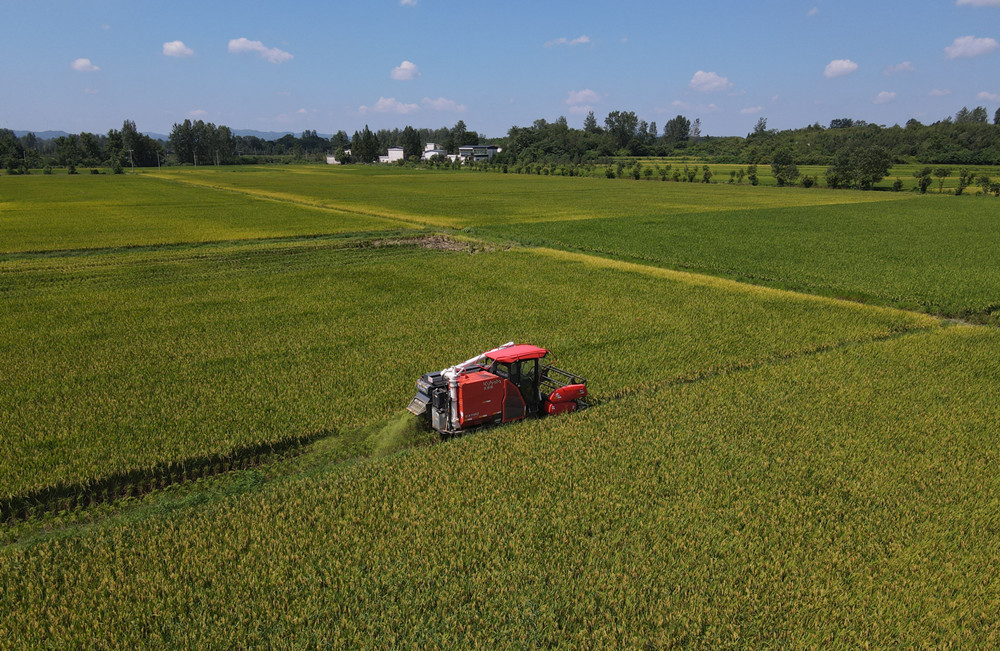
(831, 499)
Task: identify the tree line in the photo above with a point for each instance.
(117, 150)
(853, 149)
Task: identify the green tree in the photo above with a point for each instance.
(676, 130)
(182, 141)
(996, 117)
(858, 164)
(872, 164)
(68, 150)
(783, 167)
(340, 140)
(752, 174)
(590, 123)
(977, 115)
(965, 179)
(621, 127)
(923, 177)
(984, 182)
(942, 173)
(412, 147)
(760, 129)
(364, 146)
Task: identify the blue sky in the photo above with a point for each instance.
(87, 65)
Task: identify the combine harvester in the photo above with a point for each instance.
(502, 385)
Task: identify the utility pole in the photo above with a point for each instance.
(131, 161)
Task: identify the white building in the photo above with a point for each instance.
(433, 149)
(394, 154)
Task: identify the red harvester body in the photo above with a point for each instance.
(499, 386)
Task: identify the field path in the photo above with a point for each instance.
(299, 200)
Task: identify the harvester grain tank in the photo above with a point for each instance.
(502, 385)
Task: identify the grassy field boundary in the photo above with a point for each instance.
(296, 200)
(708, 280)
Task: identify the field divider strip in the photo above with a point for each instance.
(297, 200)
(718, 282)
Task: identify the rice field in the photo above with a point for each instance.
(843, 499)
(764, 464)
(126, 361)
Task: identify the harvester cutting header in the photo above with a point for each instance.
(502, 385)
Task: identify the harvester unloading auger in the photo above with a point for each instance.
(502, 385)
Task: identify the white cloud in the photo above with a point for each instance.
(813, 11)
(970, 46)
(709, 81)
(197, 114)
(583, 39)
(405, 71)
(271, 54)
(905, 66)
(83, 65)
(389, 105)
(90, 91)
(751, 110)
(585, 96)
(408, 3)
(989, 97)
(176, 49)
(302, 111)
(684, 106)
(937, 92)
(839, 68)
(443, 104)
(884, 97)
(978, 3)
(581, 109)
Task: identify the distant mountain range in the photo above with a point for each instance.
(263, 135)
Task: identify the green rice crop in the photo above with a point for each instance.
(847, 498)
(928, 253)
(50, 213)
(461, 199)
(760, 467)
(932, 254)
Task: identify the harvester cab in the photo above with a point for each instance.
(502, 385)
